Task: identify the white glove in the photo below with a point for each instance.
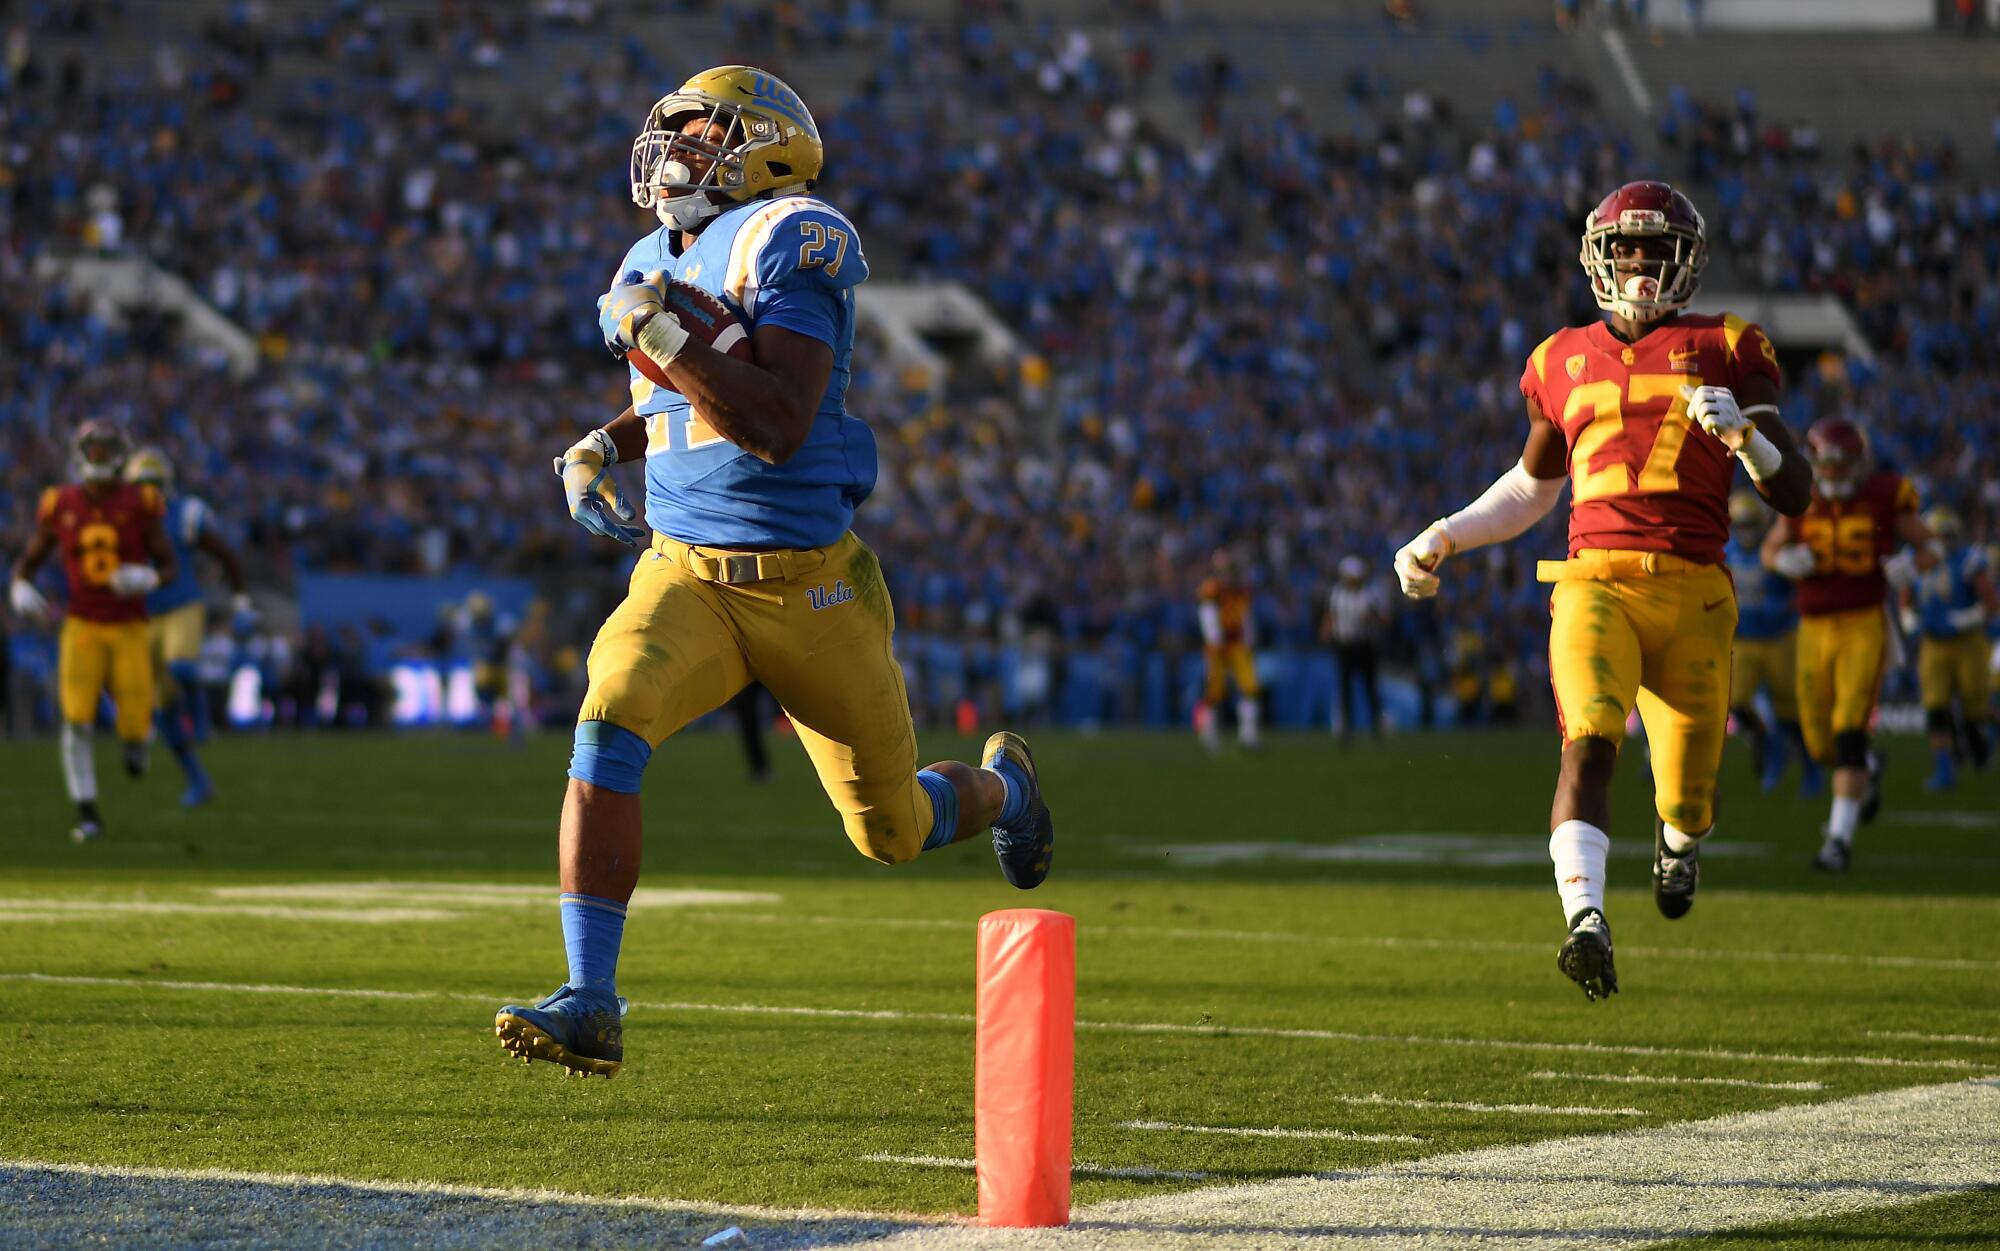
(27, 602)
(632, 315)
(1417, 559)
(1971, 617)
(132, 581)
(1901, 569)
(1909, 620)
(595, 502)
(1715, 410)
(1795, 561)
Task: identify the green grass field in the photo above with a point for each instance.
(1354, 943)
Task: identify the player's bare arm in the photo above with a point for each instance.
(162, 552)
(22, 596)
(1790, 489)
(225, 555)
(765, 405)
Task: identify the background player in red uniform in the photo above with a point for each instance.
(1840, 552)
(114, 550)
(1647, 415)
(1224, 611)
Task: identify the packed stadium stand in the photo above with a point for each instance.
(1275, 268)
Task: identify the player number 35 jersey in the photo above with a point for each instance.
(1643, 476)
(791, 262)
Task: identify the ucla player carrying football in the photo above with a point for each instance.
(1647, 415)
(753, 471)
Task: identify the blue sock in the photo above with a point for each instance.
(592, 930)
(1946, 772)
(1015, 807)
(944, 808)
(175, 735)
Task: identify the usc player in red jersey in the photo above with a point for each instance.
(1840, 551)
(1224, 610)
(115, 550)
(1646, 415)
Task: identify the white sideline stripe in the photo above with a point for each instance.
(1623, 1190)
(1641, 1079)
(965, 1018)
(1076, 1169)
(1635, 86)
(1247, 1131)
(477, 893)
(1387, 942)
(87, 909)
(1915, 1036)
(498, 1193)
(1532, 1109)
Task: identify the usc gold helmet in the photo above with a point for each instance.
(770, 143)
(150, 466)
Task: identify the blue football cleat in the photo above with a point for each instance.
(1026, 850)
(199, 791)
(581, 1030)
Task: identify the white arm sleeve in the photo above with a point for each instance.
(1515, 501)
(1210, 613)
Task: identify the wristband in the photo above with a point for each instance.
(1760, 456)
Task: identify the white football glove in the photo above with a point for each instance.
(1795, 561)
(595, 502)
(1417, 559)
(631, 315)
(132, 581)
(27, 602)
(1715, 410)
(1901, 569)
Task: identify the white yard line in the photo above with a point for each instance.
(1137, 1173)
(1246, 1131)
(1528, 1109)
(1915, 1036)
(1643, 1079)
(1624, 1190)
(965, 1018)
(1386, 942)
(97, 909)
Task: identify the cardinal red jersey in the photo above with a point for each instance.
(97, 532)
(1849, 538)
(1232, 604)
(1643, 477)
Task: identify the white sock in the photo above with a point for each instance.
(1246, 719)
(1846, 815)
(79, 764)
(1579, 850)
(1678, 841)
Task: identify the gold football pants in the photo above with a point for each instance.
(1954, 666)
(1840, 675)
(1652, 631)
(94, 655)
(1772, 664)
(814, 626)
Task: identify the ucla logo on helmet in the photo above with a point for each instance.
(780, 99)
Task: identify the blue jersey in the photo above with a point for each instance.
(187, 518)
(1946, 592)
(791, 262)
(1766, 607)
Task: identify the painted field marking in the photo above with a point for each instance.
(965, 1018)
(478, 894)
(1078, 1169)
(1641, 1079)
(1464, 850)
(1384, 941)
(1530, 1109)
(97, 909)
(1246, 1131)
(1602, 1191)
(366, 903)
(1916, 1036)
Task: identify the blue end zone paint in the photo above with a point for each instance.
(71, 1205)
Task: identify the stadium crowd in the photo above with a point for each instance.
(1252, 328)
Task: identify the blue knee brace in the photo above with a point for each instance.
(609, 756)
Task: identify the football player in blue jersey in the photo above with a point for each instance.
(1953, 602)
(178, 618)
(749, 570)
(1763, 658)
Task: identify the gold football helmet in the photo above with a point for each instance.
(150, 465)
(769, 143)
(1943, 521)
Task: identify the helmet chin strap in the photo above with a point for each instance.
(682, 212)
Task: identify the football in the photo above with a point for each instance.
(706, 319)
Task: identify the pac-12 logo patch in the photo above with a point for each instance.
(1575, 366)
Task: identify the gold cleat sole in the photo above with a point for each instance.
(528, 1042)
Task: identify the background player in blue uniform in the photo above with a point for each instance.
(1765, 656)
(1954, 601)
(179, 619)
(753, 471)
